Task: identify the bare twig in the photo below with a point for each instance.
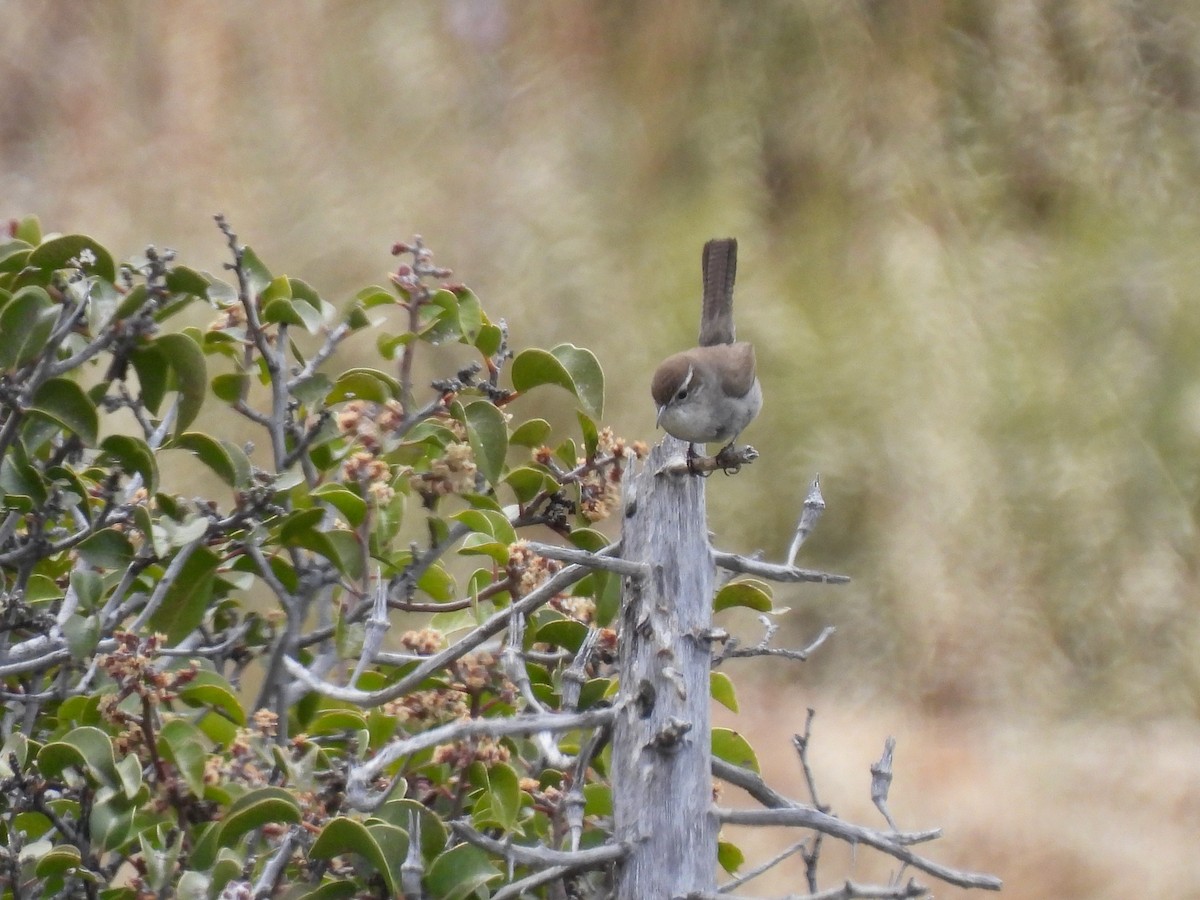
(360, 777)
(521, 854)
(492, 626)
(807, 817)
(773, 571)
(586, 558)
(881, 781)
(814, 505)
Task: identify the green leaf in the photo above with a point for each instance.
(487, 433)
(184, 745)
(470, 314)
(230, 387)
(133, 456)
(107, 549)
(342, 836)
(58, 253)
(526, 482)
(531, 434)
(352, 507)
(730, 857)
(586, 374)
(26, 322)
(14, 255)
(566, 633)
(111, 821)
(187, 598)
(257, 275)
(85, 748)
(333, 721)
(499, 802)
(88, 587)
(208, 689)
(363, 384)
(29, 230)
(132, 302)
(284, 312)
(226, 459)
(591, 436)
(66, 403)
(264, 806)
(489, 522)
(597, 799)
(444, 325)
(460, 872)
(398, 811)
(535, 367)
(153, 371)
(730, 746)
(489, 339)
(187, 361)
(182, 280)
(720, 688)
(82, 634)
(751, 594)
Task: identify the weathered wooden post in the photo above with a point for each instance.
(661, 753)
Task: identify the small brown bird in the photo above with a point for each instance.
(711, 392)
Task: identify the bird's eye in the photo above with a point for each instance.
(682, 395)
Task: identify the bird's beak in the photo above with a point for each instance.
(658, 418)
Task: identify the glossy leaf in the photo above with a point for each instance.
(460, 872)
(257, 274)
(191, 376)
(343, 836)
(470, 314)
(586, 374)
(211, 690)
(182, 280)
(66, 252)
(730, 857)
(188, 597)
(226, 459)
(730, 746)
(531, 434)
(230, 387)
(26, 322)
(535, 367)
(87, 749)
(720, 688)
(352, 507)
(255, 809)
(107, 549)
(185, 746)
(133, 456)
(488, 435)
(499, 800)
(363, 384)
(527, 482)
(67, 404)
(29, 230)
(750, 594)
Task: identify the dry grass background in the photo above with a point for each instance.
(969, 264)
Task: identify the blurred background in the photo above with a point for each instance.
(969, 264)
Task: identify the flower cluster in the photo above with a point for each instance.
(527, 569)
(600, 486)
(371, 473)
(451, 473)
(424, 641)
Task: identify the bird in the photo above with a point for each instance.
(711, 392)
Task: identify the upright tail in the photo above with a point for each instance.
(720, 270)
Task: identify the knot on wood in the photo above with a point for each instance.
(670, 737)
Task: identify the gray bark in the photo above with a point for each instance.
(662, 748)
